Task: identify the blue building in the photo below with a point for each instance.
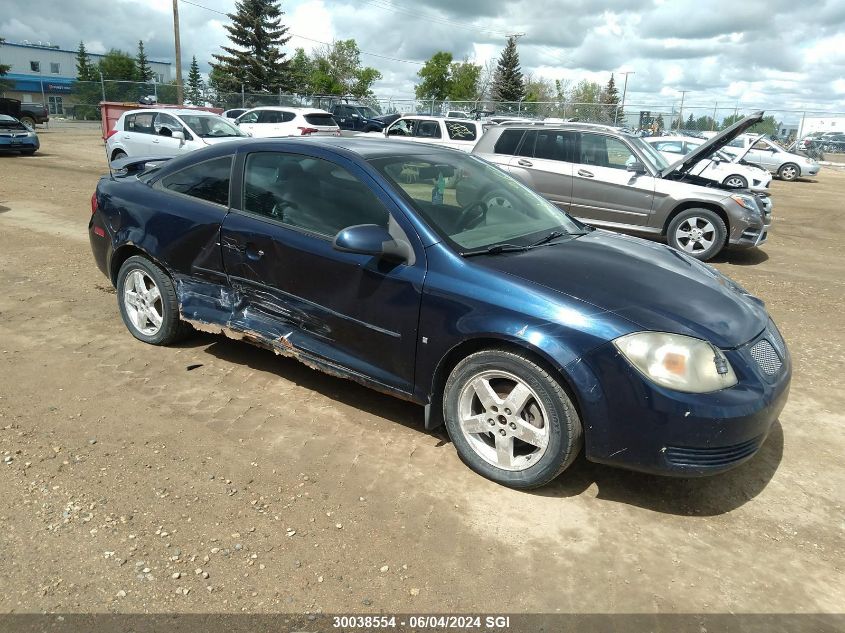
(45, 73)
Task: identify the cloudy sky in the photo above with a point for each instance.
(766, 53)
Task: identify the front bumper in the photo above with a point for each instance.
(19, 144)
(638, 425)
(810, 170)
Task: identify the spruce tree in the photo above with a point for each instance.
(194, 87)
(508, 84)
(610, 98)
(255, 58)
(145, 73)
(84, 68)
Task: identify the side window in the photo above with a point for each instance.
(249, 117)
(288, 116)
(554, 145)
(461, 131)
(207, 181)
(142, 123)
(403, 127)
(310, 194)
(604, 151)
(761, 144)
(737, 142)
(165, 125)
(528, 142)
(428, 129)
(508, 142)
(270, 116)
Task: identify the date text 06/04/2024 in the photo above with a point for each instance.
(422, 621)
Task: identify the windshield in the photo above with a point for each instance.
(366, 112)
(654, 158)
(472, 204)
(207, 126)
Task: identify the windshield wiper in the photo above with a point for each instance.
(496, 249)
(548, 238)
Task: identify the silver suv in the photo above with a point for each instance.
(612, 179)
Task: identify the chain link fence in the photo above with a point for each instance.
(80, 101)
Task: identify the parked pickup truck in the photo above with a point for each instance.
(28, 113)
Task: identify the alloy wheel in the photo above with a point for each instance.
(503, 420)
(695, 234)
(142, 300)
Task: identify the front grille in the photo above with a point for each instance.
(766, 357)
(715, 456)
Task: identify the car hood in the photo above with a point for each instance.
(647, 283)
(714, 144)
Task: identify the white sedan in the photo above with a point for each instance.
(274, 122)
(720, 167)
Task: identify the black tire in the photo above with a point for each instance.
(698, 218)
(561, 426)
(735, 181)
(789, 171)
(27, 120)
(172, 328)
(117, 154)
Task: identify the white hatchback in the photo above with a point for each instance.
(272, 122)
(167, 132)
(720, 167)
(460, 134)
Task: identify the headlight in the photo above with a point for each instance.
(678, 362)
(745, 201)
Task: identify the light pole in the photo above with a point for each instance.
(179, 96)
(681, 112)
(624, 92)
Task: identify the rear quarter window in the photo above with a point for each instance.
(508, 142)
(320, 119)
(207, 181)
(461, 130)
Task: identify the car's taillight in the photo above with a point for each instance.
(305, 131)
(110, 134)
(93, 203)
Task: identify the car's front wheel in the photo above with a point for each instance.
(698, 232)
(735, 181)
(789, 171)
(510, 420)
(148, 302)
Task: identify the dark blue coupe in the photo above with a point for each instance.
(431, 275)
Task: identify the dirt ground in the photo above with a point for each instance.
(216, 477)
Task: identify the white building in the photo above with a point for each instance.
(45, 73)
(831, 123)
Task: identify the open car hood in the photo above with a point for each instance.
(716, 143)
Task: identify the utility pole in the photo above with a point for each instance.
(681, 113)
(179, 96)
(624, 92)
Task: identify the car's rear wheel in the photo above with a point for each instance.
(118, 154)
(698, 232)
(789, 171)
(148, 302)
(510, 420)
(27, 120)
(735, 181)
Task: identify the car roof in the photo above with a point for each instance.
(294, 109)
(596, 127)
(428, 117)
(176, 111)
(688, 139)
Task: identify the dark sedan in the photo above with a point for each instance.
(431, 275)
(17, 137)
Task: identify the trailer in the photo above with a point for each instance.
(110, 111)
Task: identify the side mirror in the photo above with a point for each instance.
(178, 134)
(371, 239)
(637, 167)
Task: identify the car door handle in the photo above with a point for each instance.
(585, 173)
(525, 163)
(155, 140)
(253, 253)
